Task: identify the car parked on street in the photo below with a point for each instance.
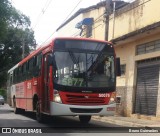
(1, 100)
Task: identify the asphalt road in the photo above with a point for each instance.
(27, 119)
(66, 126)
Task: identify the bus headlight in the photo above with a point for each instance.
(57, 97)
(113, 98)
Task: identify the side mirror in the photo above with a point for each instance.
(118, 67)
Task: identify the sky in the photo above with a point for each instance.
(47, 15)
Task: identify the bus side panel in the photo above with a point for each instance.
(25, 93)
(20, 95)
(35, 83)
(29, 91)
(30, 94)
(39, 87)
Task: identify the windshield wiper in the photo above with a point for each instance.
(94, 63)
(75, 61)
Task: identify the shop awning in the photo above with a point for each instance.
(86, 21)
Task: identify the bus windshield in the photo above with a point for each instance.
(84, 64)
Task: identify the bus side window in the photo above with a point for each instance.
(11, 79)
(30, 68)
(27, 70)
(15, 76)
(35, 70)
(39, 62)
(18, 74)
(24, 71)
(35, 61)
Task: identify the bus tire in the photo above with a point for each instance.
(35, 100)
(16, 110)
(84, 118)
(39, 115)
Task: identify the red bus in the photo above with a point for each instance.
(67, 77)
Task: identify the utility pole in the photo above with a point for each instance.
(107, 13)
(114, 9)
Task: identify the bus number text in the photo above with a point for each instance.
(104, 95)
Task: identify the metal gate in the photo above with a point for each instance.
(147, 86)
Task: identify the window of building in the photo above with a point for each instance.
(148, 47)
(88, 31)
(123, 69)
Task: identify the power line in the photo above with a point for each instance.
(47, 5)
(48, 38)
(73, 10)
(73, 34)
(62, 22)
(44, 9)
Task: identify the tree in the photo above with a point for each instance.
(14, 32)
(5, 7)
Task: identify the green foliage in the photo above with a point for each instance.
(4, 16)
(14, 32)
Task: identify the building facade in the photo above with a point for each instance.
(135, 31)
(76, 26)
(136, 37)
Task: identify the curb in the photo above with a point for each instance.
(122, 123)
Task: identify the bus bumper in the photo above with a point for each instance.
(73, 110)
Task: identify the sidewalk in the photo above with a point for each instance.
(128, 121)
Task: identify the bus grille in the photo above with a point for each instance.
(84, 99)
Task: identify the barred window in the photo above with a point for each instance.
(148, 47)
(89, 31)
(123, 69)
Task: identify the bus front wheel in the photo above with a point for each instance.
(84, 118)
(39, 115)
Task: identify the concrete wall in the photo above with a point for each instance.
(69, 29)
(126, 85)
(134, 16)
(98, 31)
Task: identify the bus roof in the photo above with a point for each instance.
(10, 71)
(80, 38)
